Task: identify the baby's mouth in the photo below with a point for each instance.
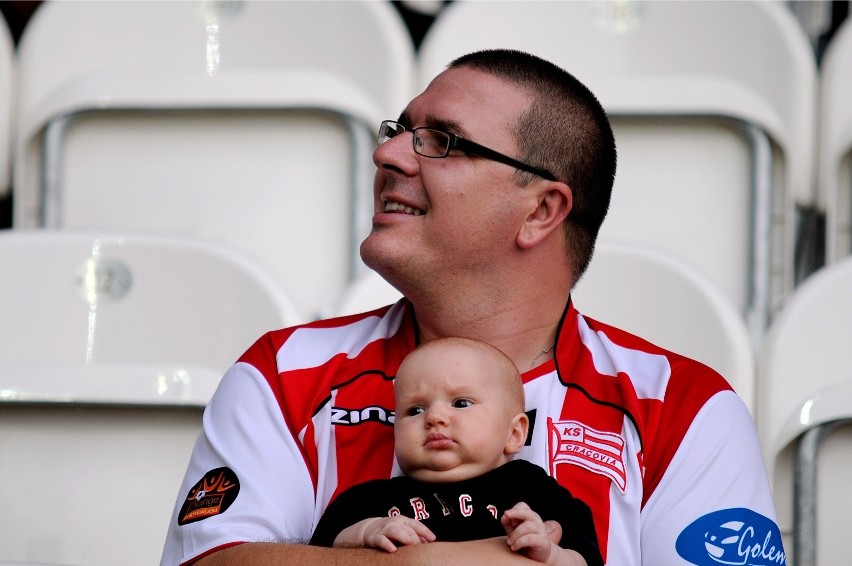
(438, 440)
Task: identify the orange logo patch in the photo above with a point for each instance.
(212, 495)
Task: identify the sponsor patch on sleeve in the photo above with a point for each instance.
(732, 536)
(211, 496)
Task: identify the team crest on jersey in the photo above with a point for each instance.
(597, 451)
(211, 496)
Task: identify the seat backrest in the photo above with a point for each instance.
(90, 484)
(804, 379)
(211, 38)
(111, 346)
(835, 143)
(250, 123)
(680, 80)
(99, 300)
(367, 292)
(660, 297)
(7, 83)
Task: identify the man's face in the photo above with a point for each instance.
(436, 217)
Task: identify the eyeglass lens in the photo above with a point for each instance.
(388, 130)
(426, 142)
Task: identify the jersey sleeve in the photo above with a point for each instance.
(713, 504)
(246, 480)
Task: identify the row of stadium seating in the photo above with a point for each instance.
(188, 175)
(251, 123)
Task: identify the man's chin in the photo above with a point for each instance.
(377, 255)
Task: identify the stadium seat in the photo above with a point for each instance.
(367, 292)
(250, 123)
(713, 109)
(7, 82)
(102, 298)
(642, 290)
(111, 346)
(804, 413)
(835, 138)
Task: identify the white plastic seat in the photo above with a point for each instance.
(111, 346)
(713, 109)
(7, 82)
(805, 396)
(97, 299)
(835, 138)
(642, 290)
(658, 296)
(248, 122)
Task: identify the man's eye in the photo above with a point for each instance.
(414, 411)
(462, 403)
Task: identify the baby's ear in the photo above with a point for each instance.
(517, 434)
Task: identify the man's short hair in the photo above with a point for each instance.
(565, 131)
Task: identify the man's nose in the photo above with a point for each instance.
(397, 154)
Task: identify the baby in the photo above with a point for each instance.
(459, 421)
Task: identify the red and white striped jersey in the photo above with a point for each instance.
(658, 445)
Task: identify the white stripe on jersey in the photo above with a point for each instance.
(610, 359)
(313, 347)
(547, 395)
(327, 456)
(624, 524)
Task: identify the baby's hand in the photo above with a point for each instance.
(536, 539)
(385, 532)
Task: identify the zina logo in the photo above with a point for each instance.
(349, 417)
(737, 537)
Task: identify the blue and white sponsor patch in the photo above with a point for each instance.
(732, 536)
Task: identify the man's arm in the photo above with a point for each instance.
(431, 554)
(716, 480)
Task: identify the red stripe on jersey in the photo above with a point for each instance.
(666, 424)
(364, 448)
(360, 389)
(591, 487)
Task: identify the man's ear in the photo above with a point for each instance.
(517, 434)
(553, 207)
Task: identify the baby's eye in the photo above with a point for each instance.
(414, 411)
(462, 403)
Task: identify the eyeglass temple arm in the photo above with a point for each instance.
(473, 147)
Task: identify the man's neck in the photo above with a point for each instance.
(525, 331)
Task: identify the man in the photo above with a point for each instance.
(485, 240)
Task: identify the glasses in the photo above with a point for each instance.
(433, 143)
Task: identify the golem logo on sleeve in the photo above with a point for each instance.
(732, 536)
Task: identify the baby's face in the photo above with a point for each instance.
(453, 416)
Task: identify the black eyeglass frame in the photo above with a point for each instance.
(460, 143)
